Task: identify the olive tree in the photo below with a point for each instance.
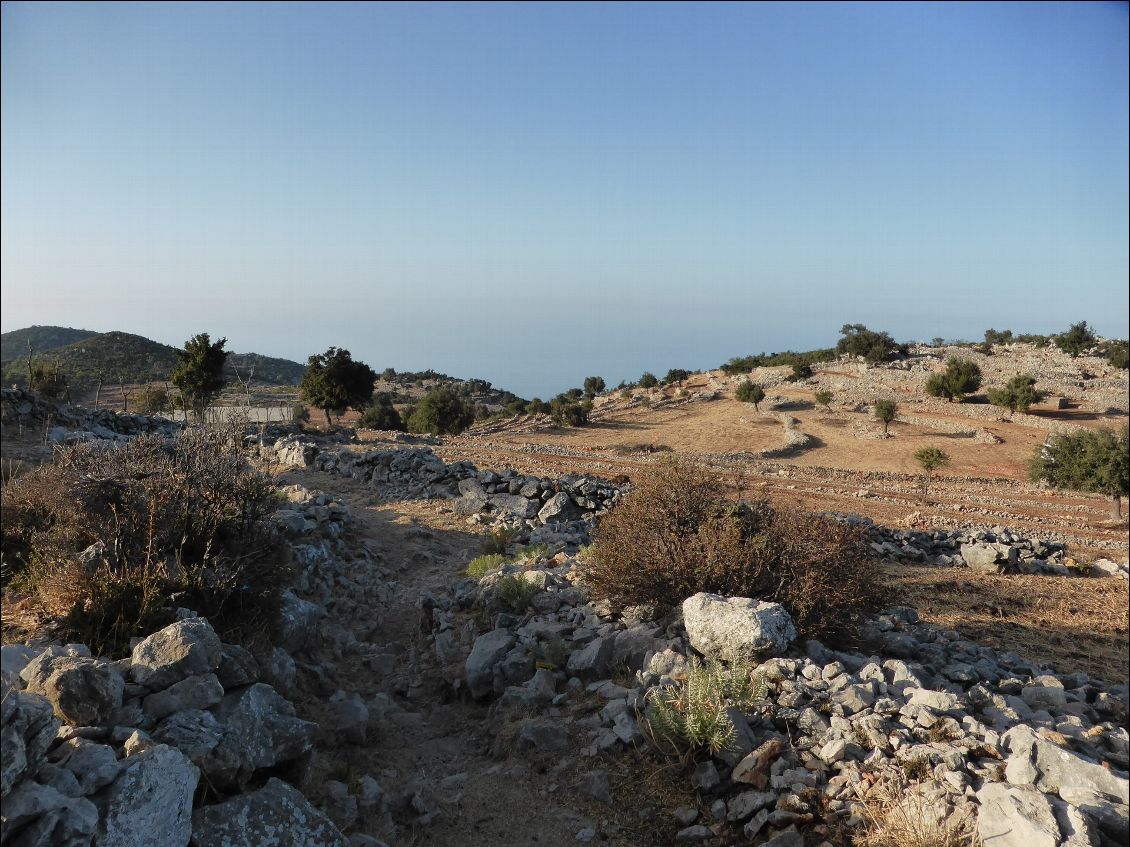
(1092, 460)
(885, 411)
(960, 377)
(749, 392)
(334, 382)
(931, 459)
(1018, 394)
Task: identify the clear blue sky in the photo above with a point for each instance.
(533, 193)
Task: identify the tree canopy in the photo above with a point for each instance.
(961, 377)
(873, 346)
(749, 392)
(1018, 395)
(593, 386)
(442, 411)
(1093, 460)
(1076, 340)
(334, 382)
(199, 371)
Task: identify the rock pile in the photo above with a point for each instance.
(507, 498)
(1030, 755)
(993, 550)
(71, 424)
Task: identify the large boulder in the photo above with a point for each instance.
(180, 650)
(82, 691)
(150, 802)
(487, 651)
(260, 730)
(559, 507)
(1012, 816)
(27, 728)
(277, 815)
(297, 623)
(1050, 768)
(514, 504)
(594, 659)
(980, 557)
(737, 628)
(35, 815)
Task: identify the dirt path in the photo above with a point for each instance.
(429, 740)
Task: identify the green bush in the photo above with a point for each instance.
(801, 372)
(961, 377)
(593, 386)
(648, 380)
(1018, 395)
(567, 412)
(515, 593)
(480, 567)
(873, 346)
(676, 535)
(381, 414)
(675, 375)
(537, 407)
(1117, 353)
(180, 525)
(824, 398)
(442, 411)
(1076, 340)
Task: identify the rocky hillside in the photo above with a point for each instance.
(14, 344)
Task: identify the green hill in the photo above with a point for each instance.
(13, 345)
(122, 356)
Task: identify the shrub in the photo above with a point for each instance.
(801, 372)
(49, 380)
(675, 375)
(1018, 395)
(177, 525)
(992, 336)
(1095, 461)
(824, 398)
(593, 385)
(873, 346)
(480, 567)
(381, 414)
(1076, 340)
(153, 401)
(568, 412)
(676, 535)
(1117, 353)
(960, 377)
(692, 716)
(896, 813)
(498, 539)
(537, 407)
(885, 411)
(515, 593)
(648, 380)
(442, 411)
(748, 392)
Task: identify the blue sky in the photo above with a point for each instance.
(534, 193)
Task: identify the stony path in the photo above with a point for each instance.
(432, 751)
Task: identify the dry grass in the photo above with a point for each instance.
(1072, 623)
(900, 814)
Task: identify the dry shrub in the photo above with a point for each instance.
(900, 814)
(162, 524)
(676, 535)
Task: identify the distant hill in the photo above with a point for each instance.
(13, 345)
(122, 356)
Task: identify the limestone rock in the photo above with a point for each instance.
(82, 691)
(1011, 816)
(277, 815)
(35, 815)
(737, 627)
(488, 650)
(195, 692)
(150, 802)
(180, 650)
(28, 727)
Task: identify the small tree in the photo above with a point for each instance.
(748, 392)
(1018, 395)
(382, 414)
(567, 411)
(537, 406)
(334, 382)
(649, 380)
(885, 411)
(931, 459)
(1076, 340)
(49, 380)
(1093, 460)
(442, 411)
(873, 346)
(593, 386)
(675, 375)
(801, 372)
(199, 372)
(824, 398)
(960, 377)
